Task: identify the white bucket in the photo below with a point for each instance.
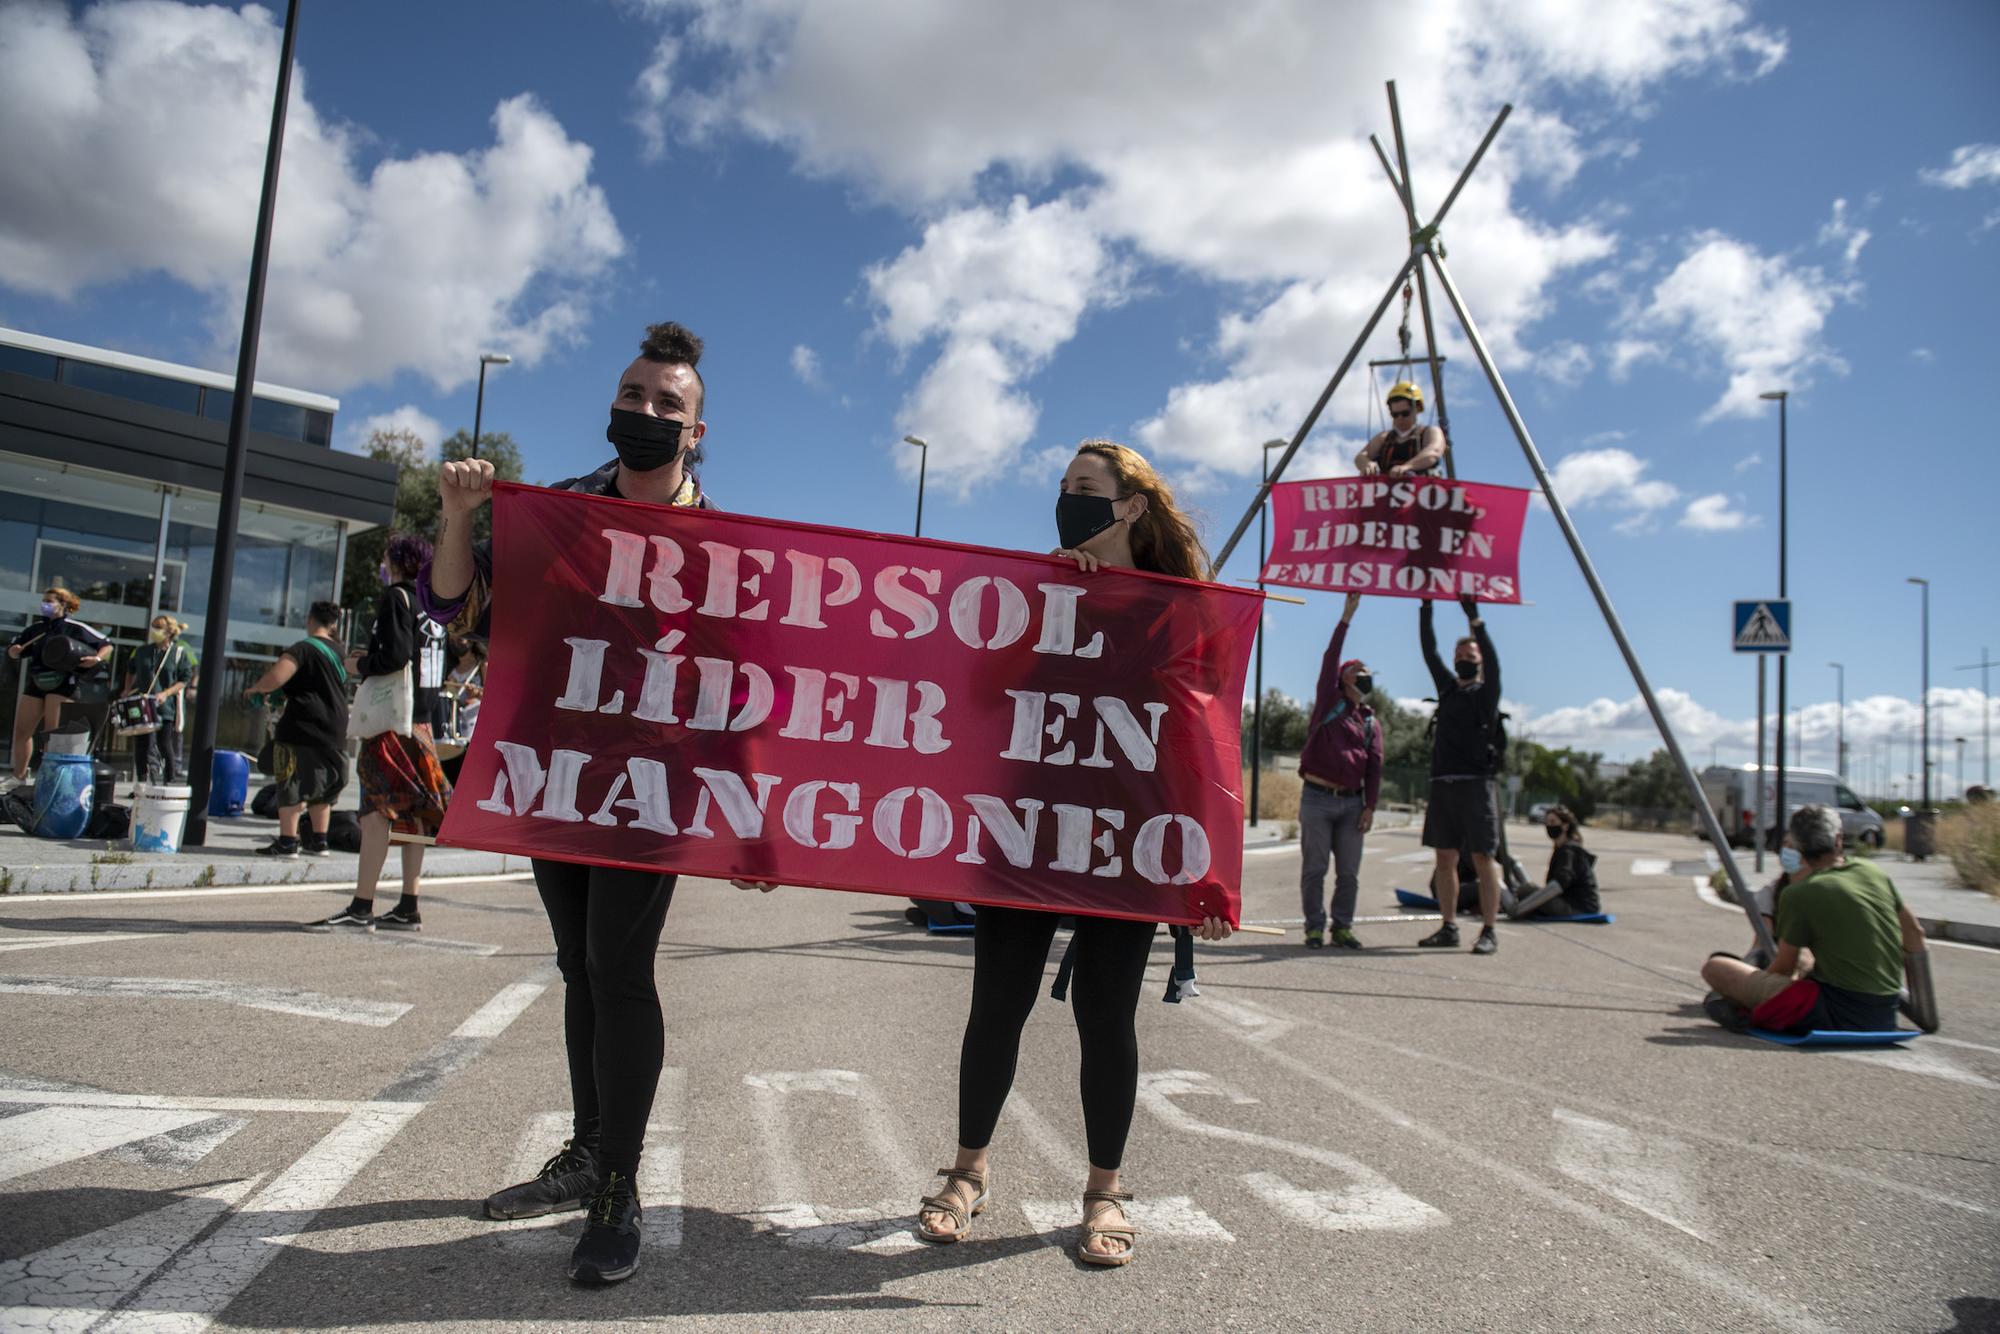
(159, 814)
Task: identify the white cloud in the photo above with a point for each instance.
(1615, 478)
(805, 365)
(1629, 352)
(409, 418)
(1605, 437)
(1712, 514)
(1565, 363)
(1844, 234)
(1238, 158)
(656, 86)
(1922, 355)
(1759, 317)
(1000, 289)
(1749, 461)
(135, 145)
(1971, 164)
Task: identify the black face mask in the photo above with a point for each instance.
(1466, 668)
(1555, 832)
(1080, 518)
(645, 443)
(1363, 684)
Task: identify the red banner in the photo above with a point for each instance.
(722, 695)
(1411, 537)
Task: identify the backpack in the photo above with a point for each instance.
(1496, 741)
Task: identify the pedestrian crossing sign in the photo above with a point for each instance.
(1763, 626)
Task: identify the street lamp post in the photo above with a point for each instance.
(479, 402)
(1840, 730)
(1257, 690)
(923, 467)
(1961, 766)
(1985, 715)
(1783, 399)
(1926, 585)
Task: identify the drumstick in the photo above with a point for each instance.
(1262, 930)
(396, 836)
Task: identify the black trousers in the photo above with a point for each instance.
(607, 925)
(1010, 950)
(156, 756)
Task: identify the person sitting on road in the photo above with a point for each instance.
(1408, 448)
(1849, 915)
(1341, 768)
(1571, 889)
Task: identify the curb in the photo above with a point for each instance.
(113, 870)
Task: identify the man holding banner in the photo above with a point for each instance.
(1461, 816)
(1341, 768)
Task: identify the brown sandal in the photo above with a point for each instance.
(1103, 1199)
(946, 1202)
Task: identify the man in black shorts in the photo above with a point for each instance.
(1461, 815)
(309, 746)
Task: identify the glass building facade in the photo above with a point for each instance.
(110, 479)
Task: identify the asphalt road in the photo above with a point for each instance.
(208, 1117)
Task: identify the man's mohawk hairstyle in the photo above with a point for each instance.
(671, 342)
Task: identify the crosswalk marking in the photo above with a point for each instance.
(886, 1227)
(1172, 1216)
(1651, 866)
(175, 1150)
(50, 1136)
(1361, 1207)
(280, 1000)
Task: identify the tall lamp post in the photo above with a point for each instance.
(1917, 841)
(923, 467)
(1782, 397)
(479, 402)
(1257, 690)
(1840, 729)
(1985, 715)
(1961, 766)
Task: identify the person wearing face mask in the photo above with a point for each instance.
(1570, 889)
(1113, 512)
(1341, 767)
(1461, 815)
(1408, 448)
(606, 920)
(53, 651)
(165, 667)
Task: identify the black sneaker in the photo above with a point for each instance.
(344, 920)
(1487, 942)
(313, 845)
(400, 918)
(1344, 938)
(1725, 1012)
(566, 1181)
(608, 1250)
(1445, 937)
(288, 848)
(1315, 938)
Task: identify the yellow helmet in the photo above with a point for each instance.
(1406, 389)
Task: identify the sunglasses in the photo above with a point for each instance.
(1401, 413)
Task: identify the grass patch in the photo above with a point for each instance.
(1277, 794)
(1971, 838)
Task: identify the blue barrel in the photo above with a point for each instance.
(63, 795)
(229, 783)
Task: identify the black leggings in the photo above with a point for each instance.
(607, 926)
(1010, 950)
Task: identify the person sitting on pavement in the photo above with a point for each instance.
(1571, 888)
(1849, 915)
(1341, 766)
(309, 746)
(1408, 448)
(1461, 815)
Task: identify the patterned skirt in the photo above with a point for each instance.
(400, 778)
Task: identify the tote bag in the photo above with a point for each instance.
(382, 704)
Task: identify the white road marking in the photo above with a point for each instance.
(1060, 1222)
(66, 1287)
(662, 1164)
(1777, 1311)
(177, 1150)
(508, 1004)
(1423, 857)
(51, 1136)
(1651, 866)
(1960, 1042)
(413, 941)
(278, 1000)
(11, 1092)
(885, 1228)
(1270, 848)
(1648, 1172)
(1257, 1023)
(56, 942)
(1914, 1058)
(1369, 1201)
(1050, 1144)
(317, 887)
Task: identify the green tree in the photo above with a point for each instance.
(1284, 725)
(1652, 784)
(417, 502)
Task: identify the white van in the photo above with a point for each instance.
(1732, 795)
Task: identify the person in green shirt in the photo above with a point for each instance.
(163, 668)
(1849, 916)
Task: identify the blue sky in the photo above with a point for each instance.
(1009, 228)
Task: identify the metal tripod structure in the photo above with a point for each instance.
(1425, 247)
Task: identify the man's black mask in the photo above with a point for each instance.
(1466, 668)
(645, 443)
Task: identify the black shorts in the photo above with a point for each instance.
(1461, 816)
(63, 689)
(306, 775)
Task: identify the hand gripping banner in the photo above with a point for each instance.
(722, 695)
(1415, 537)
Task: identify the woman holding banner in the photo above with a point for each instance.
(1113, 512)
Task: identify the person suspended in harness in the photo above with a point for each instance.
(1408, 448)
(1341, 769)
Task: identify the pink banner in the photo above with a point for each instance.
(1407, 537)
(694, 691)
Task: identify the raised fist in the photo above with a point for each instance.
(463, 486)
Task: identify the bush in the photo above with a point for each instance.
(1277, 794)
(1971, 838)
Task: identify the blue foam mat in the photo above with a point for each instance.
(1586, 918)
(1410, 899)
(951, 929)
(1825, 1037)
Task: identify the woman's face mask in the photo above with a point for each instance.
(1080, 518)
(1555, 831)
(51, 609)
(157, 635)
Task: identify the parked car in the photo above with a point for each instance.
(1732, 795)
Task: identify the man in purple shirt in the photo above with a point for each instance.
(1342, 769)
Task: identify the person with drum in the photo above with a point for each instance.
(53, 651)
(151, 716)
